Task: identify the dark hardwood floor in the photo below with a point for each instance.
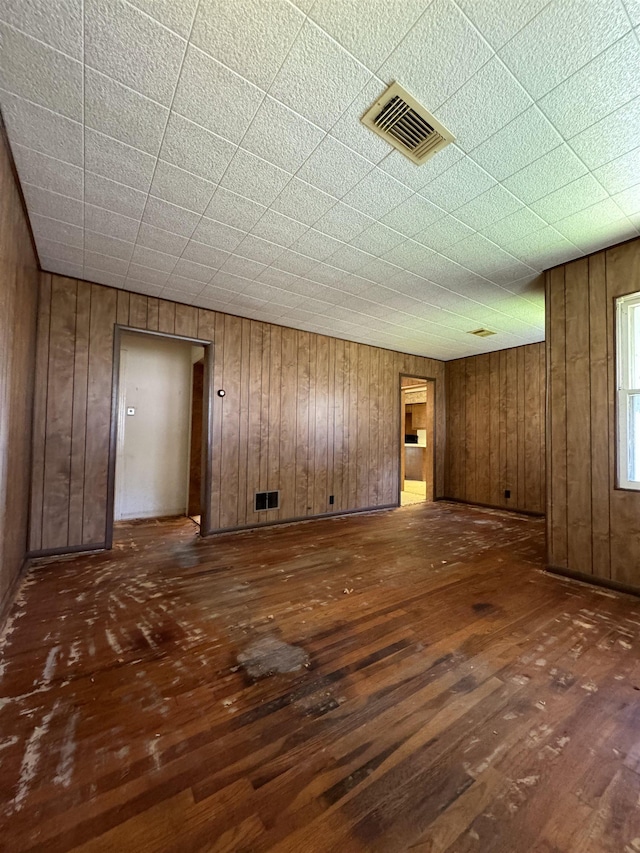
(444, 694)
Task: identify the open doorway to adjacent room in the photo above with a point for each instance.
(159, 447)
(417, 451)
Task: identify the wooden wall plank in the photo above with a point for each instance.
(254, 404)
(287, 378)
(302, 426)
(229, 440)
(153, 306)
(40, 413)
(275, 403)
(320, 500)
(79, 412)
(186, 321)
(244, 413)
(138, 311)
(122, 307)
(167, 317)
(556, 377)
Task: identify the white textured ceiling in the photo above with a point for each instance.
(210, 152)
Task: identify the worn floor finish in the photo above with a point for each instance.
(439, 693)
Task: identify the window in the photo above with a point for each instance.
(628, 379)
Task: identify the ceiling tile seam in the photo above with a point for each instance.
(265, 93)
(158, 22)
(41, 107)
(166, 124)
(40, 41)
(526, 24)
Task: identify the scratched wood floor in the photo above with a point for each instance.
(456, 698)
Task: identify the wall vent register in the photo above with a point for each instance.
(267, 500)
(482, 333)
(400, 119)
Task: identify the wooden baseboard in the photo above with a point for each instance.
(7, 602)
(495, 506)
(297, 520)
(70, 549)
(593, 580)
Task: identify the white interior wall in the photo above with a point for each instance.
(152, 457)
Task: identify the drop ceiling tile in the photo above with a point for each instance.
(105, 245)
(244, 267)
(549, 173)
(153, 259)
(297, 82)
(142, 287)
(633, 10)
(53, 205)
(108, 157)
(255, 49)
(258, 249)
(202, 254)
(505, 275)
(427, 60)
(170, 217)
(485, 104)
(281, 136)
(278, 278)
(113, 196)
(621, 173)
(377, 239)
(407, 254)
(61, 267)
(181, 188)
(413, 215)
(93, 260)
(377, 194)
(445, 232)
(458, 185)
(254, 178)
(181, 287)
(602, 236)
(42, 130)
(367, 29)
(342, 222)
(217, 235)
(327, 274)
(46, 228)
(293, 262)
(334, 168)
(112, 224)
(514, 227)
(278, 229)
(303, 202)
(629, 200)
(40, 74)
(569, 199)
(233, 283)
(349, 259)
(500, 20)
(103, 277)
(193, 271)
(597, 215)
(349, 130)
(570, 31)
(176, 16)
(315, 244)
(489, 207)
(235, 210)
(215, 97)
(191, 147)
(609, 138)
(521, 142)
(60, 251)
(213, 296)
(479, 254)
(606, 83)
(147, 274)
(160, 240)
(132, 48)
(378, 270)
(58, 23)
(539, 242)
(123, 114)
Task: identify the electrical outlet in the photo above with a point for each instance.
(330, 499)
(507, 493)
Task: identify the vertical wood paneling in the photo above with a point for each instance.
(40, 413)
(557, 379)
(103, 316)
(495, 428)
(306, 414)
(19, 281)
(578, 409)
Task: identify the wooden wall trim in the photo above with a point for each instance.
(307, 414)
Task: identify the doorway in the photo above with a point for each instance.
(417, 439)
(158, 454)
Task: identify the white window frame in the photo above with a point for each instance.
(624, 358)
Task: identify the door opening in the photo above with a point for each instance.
(417, 450)
(159, 447)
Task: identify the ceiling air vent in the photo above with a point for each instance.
(482, 333)
(397, 117)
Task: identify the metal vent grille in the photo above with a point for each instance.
(397, 117)
(482, 333)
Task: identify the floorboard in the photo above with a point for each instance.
(409, 680)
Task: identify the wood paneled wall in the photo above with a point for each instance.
(309, 415)
(19, 279)
(495, 428)
(594, 527)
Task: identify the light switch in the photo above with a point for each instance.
(131, 410)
